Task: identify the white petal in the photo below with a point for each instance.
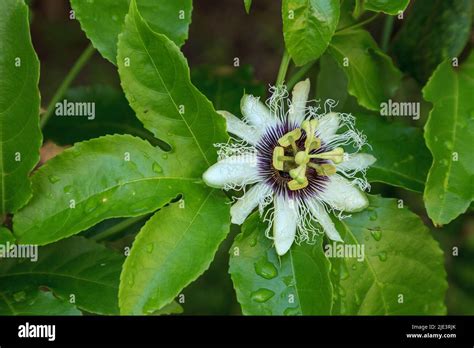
(235, 170)
(256, 112)
(284, 223)
(342, 195)
(328, 126)
(240, 128)
(358, 161)
(324, 219)
(244, 206)
(298, 101)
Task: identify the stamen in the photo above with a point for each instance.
(325, 169)
(299, 173)
(290, 138)
(309, 127)
(294, 185)
(276, 161)
(336, 155)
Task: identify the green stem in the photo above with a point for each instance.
(80, 62)
(297, 76)
(358, 9)
(285, 62)
(357, 25)
(387, 32)
(122, 225)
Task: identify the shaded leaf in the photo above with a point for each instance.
(372, 77)
(308, 26)
(103, 20)
(247, 4)
(449, 135)
(75, 266)
(298, 283)
(434, 31)
(20, 136)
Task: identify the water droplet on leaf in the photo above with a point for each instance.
(53, 179)
(19, 296)
(157, 168)
(383, 256)
(262, 295)
(376, 234)
(265, 269)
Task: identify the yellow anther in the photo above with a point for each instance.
(299, 173)
(290, 137)
(294, 185)
(276, 160)
(336, 155)
(301, 158)
(324, 169)
(314, 145)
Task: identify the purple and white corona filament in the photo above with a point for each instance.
(292, 155)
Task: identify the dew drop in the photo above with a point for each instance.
(253, 242)
(354, 267)
(265, 269)
(19, 296)
(90, 206)
(67, 189)
(383, 256)
(164, 156)
(344, 271)
(157, 168)
(53, 179)
(288, 280)
(341, 291)
(373, 216)
(291, 311)
(376, 234)
(149, 248)
(262, 295)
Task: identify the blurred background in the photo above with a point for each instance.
(220, 32)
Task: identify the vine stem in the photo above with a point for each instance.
(357, 25)
(72, 74)
(122, 225)
(298, 75)
(387, 32)
(285, 62)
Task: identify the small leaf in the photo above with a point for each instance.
(113, 115)
(32, 301)
(103, 20)
(6, 236)
(247, 4)
(434, 31)
(392, 7)
(20, 136)
(402, 157)
(298, 283)
(174, 247)
(75, 269)
(372, 77)
(107, 177)
(308, 26)
(449, 134)
(402, 271)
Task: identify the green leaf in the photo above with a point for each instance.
(113, 115)
(392, 7)
(449, 134)
(6, 236)
(308, 26)
(225, 86)
(164, 98)
(103, 20)
(402, 272)
(172, 308)
(372, 77)
(247, 4)
(181, 239)
(175, 246)
(434, 31)
(32, 301)
(111, 176)
(20, 136)
(297, 283)
(402, 157)
(74, 266)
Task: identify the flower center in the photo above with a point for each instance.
(295, 161)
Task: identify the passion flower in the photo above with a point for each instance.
(293, 155)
